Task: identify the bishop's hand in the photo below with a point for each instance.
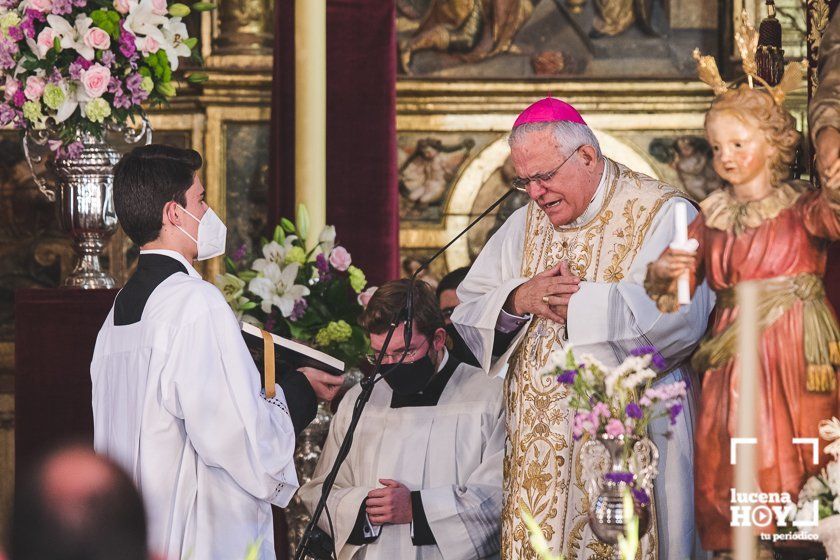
(545, 295)
(671, 265)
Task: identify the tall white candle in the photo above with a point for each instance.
(680, 240)
(746, 472)
(311, 112)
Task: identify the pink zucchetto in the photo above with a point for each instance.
(549, 110)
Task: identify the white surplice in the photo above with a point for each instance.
(177, 403)
(628, 224)
(451, 452)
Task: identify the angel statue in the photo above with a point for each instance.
(761, 227)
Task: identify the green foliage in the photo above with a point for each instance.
(108, 21)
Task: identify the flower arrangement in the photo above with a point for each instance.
(311, 295)
(73, 66)
(824, 488)
(617, 402)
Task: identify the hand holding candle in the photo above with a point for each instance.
(682, 243)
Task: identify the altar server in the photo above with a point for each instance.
(424, 475)
(177, 399)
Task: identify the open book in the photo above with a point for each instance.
(288, 354)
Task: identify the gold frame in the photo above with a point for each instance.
(218, 117)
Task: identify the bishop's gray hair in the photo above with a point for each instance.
(569, 135)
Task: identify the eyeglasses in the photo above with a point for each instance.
(522, 183)
(395, 357)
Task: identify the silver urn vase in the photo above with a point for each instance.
(614, 464)
(84, 197)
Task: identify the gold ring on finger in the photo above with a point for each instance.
(545, 300)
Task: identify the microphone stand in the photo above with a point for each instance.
(310, 538)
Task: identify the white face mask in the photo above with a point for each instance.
(212, 234)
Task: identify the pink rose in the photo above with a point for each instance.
(124, 6)
(97, 39)
(614, 428)
(12, 86)
(41, 5)
(340, 258)
(159, 7)
(364, 297)
(46, 40)
(95, 80)
(147, 45)
(34, 87)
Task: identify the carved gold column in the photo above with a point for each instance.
(311, 111)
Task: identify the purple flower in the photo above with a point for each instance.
(619, 476)
(61, 7)
(270, 322)
(240, 253)
(74, 149)
(615, 428)
(7, 114)
(567, 377)
(76, 71)
(8, 50)
(134, 85)
(83, 62)
(127, 46)
(674, 411)
(19, 98)
(299, 309)
(108, 58)
(633, 410)
(655, 357)
(16, 33)
(321, 263)
(640, 496)
(10, 4)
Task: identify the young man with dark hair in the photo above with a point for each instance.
(176, 395)
(446, 294)
(424, 475)
(76, 505)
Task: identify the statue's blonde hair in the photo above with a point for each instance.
(776, 122)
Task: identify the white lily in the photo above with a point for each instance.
(230, 285)
(274, 253)
(72, 36)
(830, 431)
(174, 34)
(142, 22)
(277, 288)
(327, 239)
(71, 102)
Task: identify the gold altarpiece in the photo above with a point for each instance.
(457, 96)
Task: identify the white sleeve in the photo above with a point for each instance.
(495, 273)
(217, 392)
(610, 319)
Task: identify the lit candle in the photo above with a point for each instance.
(746, 472)
(311, 112)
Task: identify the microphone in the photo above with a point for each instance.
(409, 304)
(313, 541)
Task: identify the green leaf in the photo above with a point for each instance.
(57, 44)
(197, 78)
(165, 89)
(279, 236)
(287, 225)
(191, 42)
(179, 10)
(248, 306)
(248, 275)
(229, 265)
(203, 6)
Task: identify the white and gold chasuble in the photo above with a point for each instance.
(628, 224)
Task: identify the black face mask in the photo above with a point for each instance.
(410, 379)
